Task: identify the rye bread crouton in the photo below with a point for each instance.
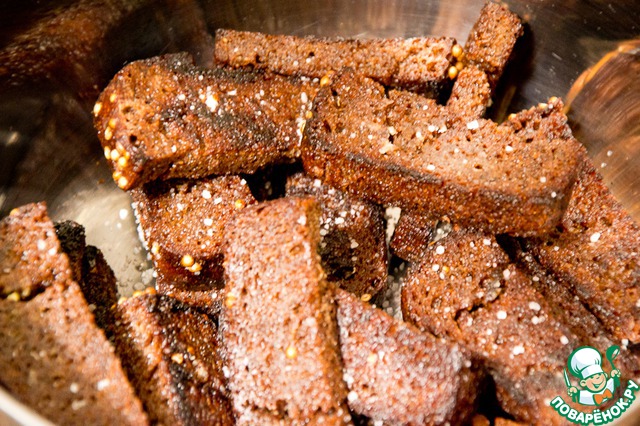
(470, 96)
(469, 100)
(419, 63)
(182, 223)
(497, 315)
(170, 352)
(490, 43)
(399, 375)
(91, 271)
(30, 253)
(73, 242)
(405, 150)
(572, 311)
(163, 118)
(99, 286)
(411, 236)
(54, 357)
(352, 236)
(596, 252)
(278, 322)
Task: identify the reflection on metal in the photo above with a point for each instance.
(631, 47)
(604, 109)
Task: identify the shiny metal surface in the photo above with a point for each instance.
(49, 151)
(605, 109)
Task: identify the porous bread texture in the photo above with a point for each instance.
(352, 236)
(399, 375)
(279, 316)
(54, 356)
(405, 150)
(163, 118)
(595, 253)
(182, 223)
(497, 315)
(417, 63)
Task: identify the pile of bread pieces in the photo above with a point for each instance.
(260, 186)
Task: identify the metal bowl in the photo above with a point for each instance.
(49, 150)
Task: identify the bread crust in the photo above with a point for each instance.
(279, 316)
(163, 118)
(419, 63)
(352, 236)
(170, 352)
(54, 356)
(405, 150)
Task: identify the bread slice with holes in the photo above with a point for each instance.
(411, 236)
(280, 316)
(352, 236)
(399, 375)
(54, 357)
(495, 314)
(576, 315)
(405, 150)
(487, 51)
(471, 94)
(492, 39)
(170, 352)
(182, 223)
(595, 252)
(91, 271)
(419, 63)
(164, 118)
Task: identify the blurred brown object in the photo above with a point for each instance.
(80, 45)
(480, 420)
(499, 421)
(604, 110)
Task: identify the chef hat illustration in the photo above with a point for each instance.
(585, 362)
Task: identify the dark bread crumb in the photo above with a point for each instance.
(411, 236)
(419, 63)
(470, 96)
(595, 253)
(399, 375)
(495, 314)
(571, 310)
(90, 270)
(182, 223)
(405, 150)
(352, 236)
(54, 357)
(163, 118)
(491, 41)
(171, 354)
(30, 252)
(278, 323)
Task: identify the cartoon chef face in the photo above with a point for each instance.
(595, 383)
(586, 364)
